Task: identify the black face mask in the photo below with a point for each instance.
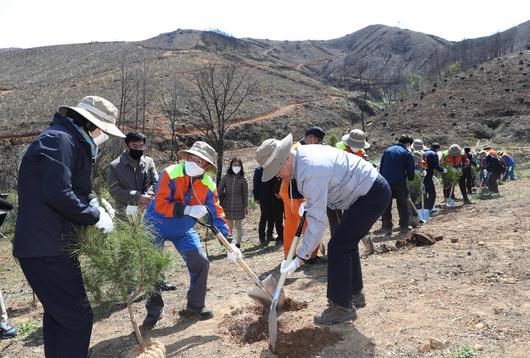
(135, 153)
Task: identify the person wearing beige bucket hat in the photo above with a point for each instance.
(54, 189)
(354, 142)
(183, 194)
(336, 179)
(455, 157)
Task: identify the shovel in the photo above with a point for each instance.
(273, 314)
(413, 206)
(263, 293)
(423, 214)
(450, 202)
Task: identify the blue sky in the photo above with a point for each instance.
(31, 23)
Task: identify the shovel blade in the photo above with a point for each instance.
(423, 215)
(264, 296)
(273, 324)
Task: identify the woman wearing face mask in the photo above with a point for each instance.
(233, 191)
(183, 192)
(53, 196)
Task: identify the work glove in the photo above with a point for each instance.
(108, 208)
(484, 173)
(195, 211)
(445, 170)
(291, 267)
(94, 202)
(302, 209)
(232, 257)
(105, 221)
(131, 210)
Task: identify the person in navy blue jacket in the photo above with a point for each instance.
(53, 196)
(397, 164)
(433, 163)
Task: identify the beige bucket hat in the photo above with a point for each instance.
(356, 139)
(202, 150)
(418, 145)
(455, 149)
(101, 112)
(272, 154)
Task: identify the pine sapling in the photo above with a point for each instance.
(122, 266)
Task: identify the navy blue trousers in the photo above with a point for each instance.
(67, 321)
(344, 264)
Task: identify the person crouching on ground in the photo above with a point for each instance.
(183, 192)
(332, 178)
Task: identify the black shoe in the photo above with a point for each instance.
(467, 202)
(405, 229)
(6, 331)
(166, 286)
(202, 314)
(358, 300)
(317, 260)
(150, 322)
(238, 246)
(384, 230)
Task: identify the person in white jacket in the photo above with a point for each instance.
(328, 177)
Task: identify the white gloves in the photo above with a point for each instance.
(292, 267)
(108, 207)
(302, 209)
(196, 211)
(445, 170)
(105, 221)
(232, 257)
(484, 173)
(131, 210)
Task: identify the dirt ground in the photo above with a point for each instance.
(469, 290)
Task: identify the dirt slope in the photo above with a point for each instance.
(472, 288)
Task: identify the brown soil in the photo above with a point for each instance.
(305, 342)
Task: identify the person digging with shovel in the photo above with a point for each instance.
(183, 192)
(328, 177)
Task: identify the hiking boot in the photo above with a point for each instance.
(405, 229)
(202, 314)
(335, 314)
(6, 331)
(467, 201)
(358, 300)
(384, 230)
(368, 246)
(166, 286)
(315, 261)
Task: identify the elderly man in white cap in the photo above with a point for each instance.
(183, 194)
(53, 196)
(331, 178)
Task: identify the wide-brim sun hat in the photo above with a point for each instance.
(418, 145)
(455, 149)
(272, 154)
(100, 112)
(203, 150)
(356, 139)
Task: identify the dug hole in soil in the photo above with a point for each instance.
(249, 325)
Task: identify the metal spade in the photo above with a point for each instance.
(273, 313)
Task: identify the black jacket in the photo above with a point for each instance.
(53, 191)
(263, 191)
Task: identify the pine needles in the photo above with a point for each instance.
(452, 177)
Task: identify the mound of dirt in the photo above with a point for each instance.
(249, 324)
(305, 342)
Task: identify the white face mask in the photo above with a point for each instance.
(236, 169)
(100, 139)
(192, 169)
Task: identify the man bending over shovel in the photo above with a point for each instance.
(332, 178)
(183, 192)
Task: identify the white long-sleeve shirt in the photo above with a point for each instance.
(327, 177)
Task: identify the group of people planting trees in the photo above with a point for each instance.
(325, 185)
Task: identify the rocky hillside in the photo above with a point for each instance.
(489, 102)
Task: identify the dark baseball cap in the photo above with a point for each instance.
(317, 132)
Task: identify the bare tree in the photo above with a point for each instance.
(126, 82)
(169, 106)
(221, 90)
